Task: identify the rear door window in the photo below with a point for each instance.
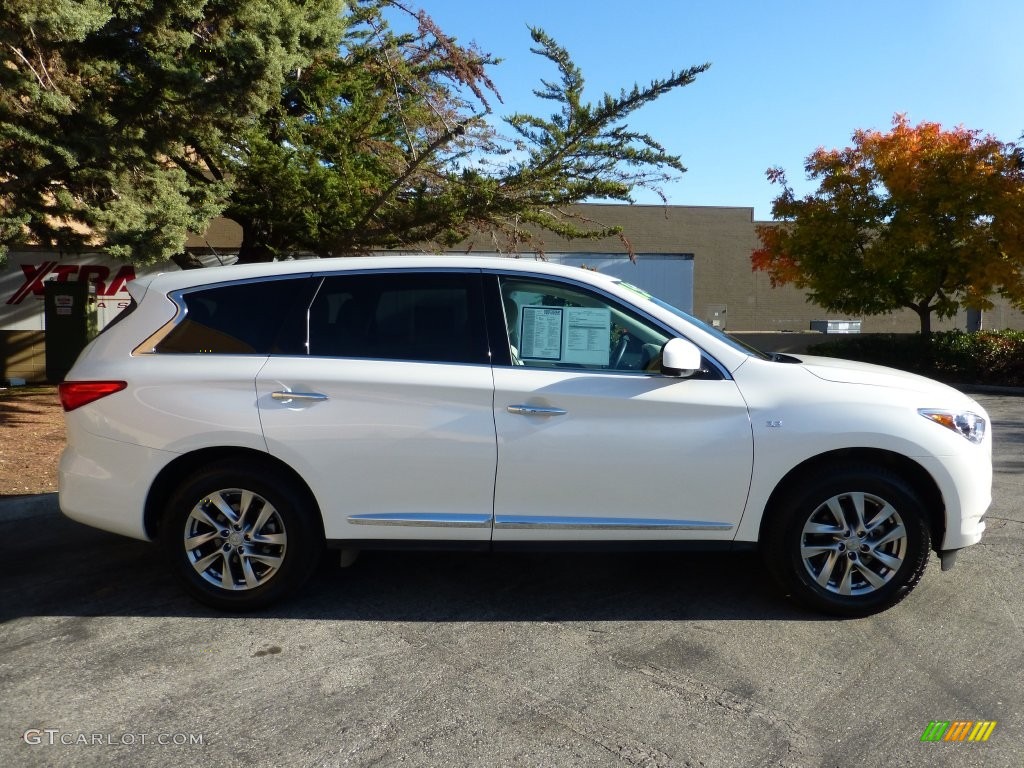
(424, 316)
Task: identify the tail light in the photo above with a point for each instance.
(75, 394)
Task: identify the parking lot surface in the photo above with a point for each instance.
(534, 660)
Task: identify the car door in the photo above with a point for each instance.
(593, 441)
(389, 417)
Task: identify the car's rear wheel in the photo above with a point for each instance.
(852, 541)
(239, 539)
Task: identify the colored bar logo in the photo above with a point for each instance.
(958, 730)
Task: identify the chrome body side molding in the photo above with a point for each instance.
(422, 520)
(509, 522)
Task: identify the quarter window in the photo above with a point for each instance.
(262, 317)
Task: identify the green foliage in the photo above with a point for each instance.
(315, 124)
(358, 153)
(388, 146)
(986, 357)
(583, 151)
(114, 114)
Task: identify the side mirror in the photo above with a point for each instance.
(680, 358)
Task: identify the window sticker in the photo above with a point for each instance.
(576, 335)
(587, 336)
(541, 336)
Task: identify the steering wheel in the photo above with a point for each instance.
(617, 355)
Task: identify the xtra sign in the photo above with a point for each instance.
(22, 279)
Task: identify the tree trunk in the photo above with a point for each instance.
(252, 250)
(186, 261)
(924, 312)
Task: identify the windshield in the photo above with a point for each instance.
(725, 338)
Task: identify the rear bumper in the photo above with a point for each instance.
(107, 488)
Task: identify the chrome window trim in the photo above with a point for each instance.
(670, 332)
(398, 271)
(526, 522)
(423, 519)
(309, 312)
(148, 346)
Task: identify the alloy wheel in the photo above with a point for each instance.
(853, 544)
(235, 539)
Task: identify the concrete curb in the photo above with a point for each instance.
(14, 508)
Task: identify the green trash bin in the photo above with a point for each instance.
(69, 311)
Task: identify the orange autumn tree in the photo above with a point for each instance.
(919, 217)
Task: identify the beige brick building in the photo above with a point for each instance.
(720, 241)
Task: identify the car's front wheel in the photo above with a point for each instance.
(852, 541)
(239, 539)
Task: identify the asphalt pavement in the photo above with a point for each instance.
(490, 660)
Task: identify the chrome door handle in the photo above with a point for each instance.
(534, 410)
(288, 396)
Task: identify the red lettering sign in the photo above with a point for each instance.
(93, 273)
(33, 281)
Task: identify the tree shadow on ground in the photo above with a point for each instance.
(18, 406)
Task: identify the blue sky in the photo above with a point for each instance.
(786, 77)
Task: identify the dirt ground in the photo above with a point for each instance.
(31, 439)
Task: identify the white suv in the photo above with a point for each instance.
(246, 416)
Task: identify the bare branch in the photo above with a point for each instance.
(29, 65)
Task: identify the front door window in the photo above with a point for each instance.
(556, 325)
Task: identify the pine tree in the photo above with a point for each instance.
(320, 127)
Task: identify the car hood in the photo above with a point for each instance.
(853, 372)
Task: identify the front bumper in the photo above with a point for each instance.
(965, 482)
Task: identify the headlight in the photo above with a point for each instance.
(967, 424)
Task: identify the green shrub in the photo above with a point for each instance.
(986, 357)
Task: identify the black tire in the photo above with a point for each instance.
(842, 572)
(248, 562)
